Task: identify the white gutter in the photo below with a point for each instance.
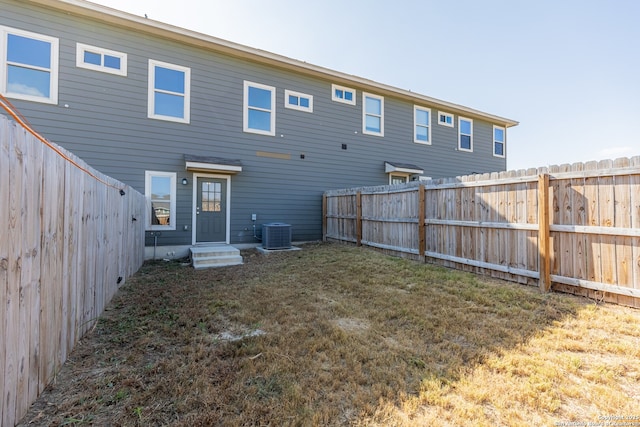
(124, 19)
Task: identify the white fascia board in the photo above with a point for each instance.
(389, 168)
(124, 19)
(198, 166)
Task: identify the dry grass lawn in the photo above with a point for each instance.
(339, 335)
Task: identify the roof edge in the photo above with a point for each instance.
(121, 18)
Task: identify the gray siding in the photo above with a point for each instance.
(106, 124)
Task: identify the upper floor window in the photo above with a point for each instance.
(343, 94)
(28, 66)
(372, 114)
(498, 141)
(169, 92)
(99, 59)
(259, 108)
(160, 190)
(422, 125)
(445, 119)
(465, 134)
(298, 101)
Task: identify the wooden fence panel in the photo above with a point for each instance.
(576, 227)
(67, 237)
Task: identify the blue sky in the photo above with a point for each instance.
(568, 71)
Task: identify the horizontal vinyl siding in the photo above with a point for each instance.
(106, 124)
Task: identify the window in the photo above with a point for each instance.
(169, 92)
(98, 59)
(160, 189)
(28, 66)
(211, 197)
(422, 125)
(259, 108)
(298, 101)
(343, 94)
(465, 134)
(445, 119)
(372, 114)
(498, 141)
(398, 179)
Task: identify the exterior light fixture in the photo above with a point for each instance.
(184, 181)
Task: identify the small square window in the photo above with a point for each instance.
(298, 101)
(445, 119)
(343, 94)
(99, 59)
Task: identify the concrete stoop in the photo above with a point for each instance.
(214, 256)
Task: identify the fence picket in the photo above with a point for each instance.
(5, 185)
(635, 223)
(12, 326)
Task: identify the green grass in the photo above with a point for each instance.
(351, 337)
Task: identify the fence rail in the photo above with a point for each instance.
(573, 228)
(68, 241)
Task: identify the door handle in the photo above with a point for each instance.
(197, 210)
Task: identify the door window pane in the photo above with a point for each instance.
(211, 197)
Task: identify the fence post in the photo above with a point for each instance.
(324, 217)
(422, 229)
(359, 218)
(544, 250)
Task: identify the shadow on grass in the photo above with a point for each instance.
(347, 331)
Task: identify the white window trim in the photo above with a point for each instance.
(172, 207)
(53, 70)
(366, 95)
(152, 90)
(417, 108)
(470, 150)
(245, 109)
(344, 89)
(442, 113)
(504, 141)
(406, 176)
(81, 48)
(308, 109)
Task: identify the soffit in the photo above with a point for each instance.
(150, 26)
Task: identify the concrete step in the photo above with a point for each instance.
(214, 256)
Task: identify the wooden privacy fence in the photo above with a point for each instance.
(574, 228)
(68, 241)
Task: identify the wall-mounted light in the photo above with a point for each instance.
(184, 181)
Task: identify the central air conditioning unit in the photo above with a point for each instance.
(276, 235)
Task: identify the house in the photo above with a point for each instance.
(223, 138)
